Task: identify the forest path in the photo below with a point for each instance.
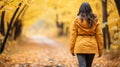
(43, 52)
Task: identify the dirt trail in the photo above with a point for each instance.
(42, 52)
(46, 53)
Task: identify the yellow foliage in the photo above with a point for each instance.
(66, 9)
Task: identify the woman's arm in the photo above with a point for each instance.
(73, 36)
(99, 38)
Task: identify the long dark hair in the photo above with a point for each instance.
(85, 12)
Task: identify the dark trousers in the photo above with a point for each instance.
(85, 60)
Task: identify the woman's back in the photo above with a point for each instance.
(85, 41)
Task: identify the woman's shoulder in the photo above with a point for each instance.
(97, 22)
(77, 19)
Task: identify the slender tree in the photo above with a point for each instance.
(106, 33)
(17, 25)
(9, 28)
(2, 25)
(60, 26)
(117, 2)
(67, 31)
(18, 29)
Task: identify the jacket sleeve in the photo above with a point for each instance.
(99, 38)
(73, 36)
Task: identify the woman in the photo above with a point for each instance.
(86, 36)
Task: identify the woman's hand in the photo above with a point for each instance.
(73, 54)
(99, 55)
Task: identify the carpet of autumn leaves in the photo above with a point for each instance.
(32, 54)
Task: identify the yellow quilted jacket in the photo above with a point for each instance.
(85, 39)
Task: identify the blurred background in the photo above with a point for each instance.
(35, 33)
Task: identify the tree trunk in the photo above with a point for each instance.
(60, 27)
(17, 25)
(67, 31)
(18, 29)
(104, 10)
(117, 2)
(106, 33)
(108, 36)
(9, 28)
(104, 37)
(2, 24)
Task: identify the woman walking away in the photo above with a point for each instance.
(86, 37)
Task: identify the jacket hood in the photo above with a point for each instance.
(84, 25)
